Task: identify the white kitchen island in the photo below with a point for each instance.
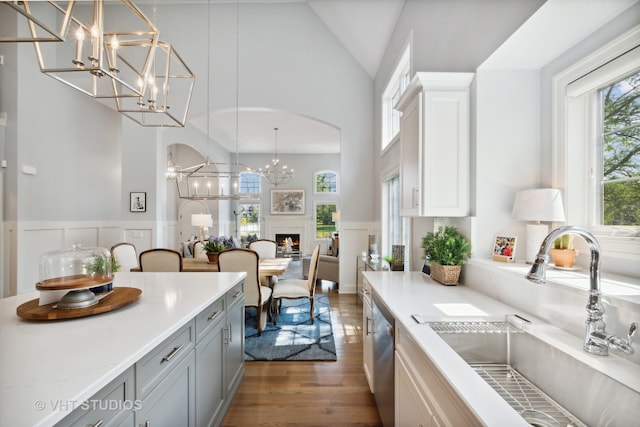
(49, 368)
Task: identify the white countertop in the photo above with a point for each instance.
(48, 367)
(410, 293)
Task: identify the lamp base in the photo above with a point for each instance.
(535, 235)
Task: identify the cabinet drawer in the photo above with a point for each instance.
(154, 366)
(234, 294)
(208, 318)
(110, 406)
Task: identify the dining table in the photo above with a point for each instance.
(267, 267)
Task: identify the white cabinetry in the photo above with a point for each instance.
(367, 333)
(434, 145)
(423, 396)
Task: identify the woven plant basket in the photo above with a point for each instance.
(445, 274)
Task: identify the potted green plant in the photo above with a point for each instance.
(213, 247)
(563, 253)
(446, 250)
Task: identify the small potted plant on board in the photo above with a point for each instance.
(563, 254)
(213, 247)
(447, 250)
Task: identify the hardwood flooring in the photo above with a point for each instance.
(311, 393)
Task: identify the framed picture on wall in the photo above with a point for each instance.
(504, 249)
(138, 202)
(287, 202)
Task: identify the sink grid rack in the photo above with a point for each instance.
(537, 408)
(498, 327)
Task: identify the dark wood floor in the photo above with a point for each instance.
(311, 393)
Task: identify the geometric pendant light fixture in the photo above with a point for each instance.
(106, 51)
(167, 95)
(25, 21)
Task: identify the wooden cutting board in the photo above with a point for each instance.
(119, 297)
(78, 281)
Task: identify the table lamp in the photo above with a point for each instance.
(335, 218)
(203, 221)
(540, 204)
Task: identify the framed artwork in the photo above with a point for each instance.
(287, 202)
(138, 202)
(504, 249)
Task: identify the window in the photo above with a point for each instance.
(249, 182)
(596, 151)
(619, 152)
(325, 226)
(249, 218)
(392, 222)
(395, 88)
(326, 182)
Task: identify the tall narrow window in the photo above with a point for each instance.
(325, 225)
(395, 88)
(392, 222)
(620, 152)
(249, 219)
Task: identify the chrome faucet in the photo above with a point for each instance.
(597, 340)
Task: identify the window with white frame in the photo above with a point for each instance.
(597, 144)
(618, 154)
(392, 222)
(325, 182)
(250, 182)
(393, 91)
(325, 219)
(249, 219)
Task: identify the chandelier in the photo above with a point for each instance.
(169, 86)
(274, 173)
(110, 50)
(38, 21)
(213, 180)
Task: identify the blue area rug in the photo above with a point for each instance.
(294, 337)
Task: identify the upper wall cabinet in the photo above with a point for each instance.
(434, 145)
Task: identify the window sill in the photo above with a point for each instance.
(611, 286)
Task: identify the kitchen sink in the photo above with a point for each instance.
(545, 382)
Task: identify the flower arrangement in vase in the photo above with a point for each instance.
(213, 247)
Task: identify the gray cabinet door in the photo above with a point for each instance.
(172, 402)
(235, 346)
(210, 385)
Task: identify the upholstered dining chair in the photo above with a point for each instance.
(126, 256)
(160, 260)
(297, 288)
(255, 295)
(266, 249)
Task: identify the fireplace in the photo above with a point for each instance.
(281, 239)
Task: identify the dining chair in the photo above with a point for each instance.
(126, 256)
(266, 249)
(297, 288)
(255, 295)
(160, 260)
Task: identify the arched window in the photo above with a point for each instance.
(325, 182)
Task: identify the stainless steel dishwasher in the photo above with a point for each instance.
(383, 369)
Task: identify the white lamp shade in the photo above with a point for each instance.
(541, 204)
(201, 220)
(335, 216)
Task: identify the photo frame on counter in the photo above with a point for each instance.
(138, 201)
(504, 249)
(287, 202)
